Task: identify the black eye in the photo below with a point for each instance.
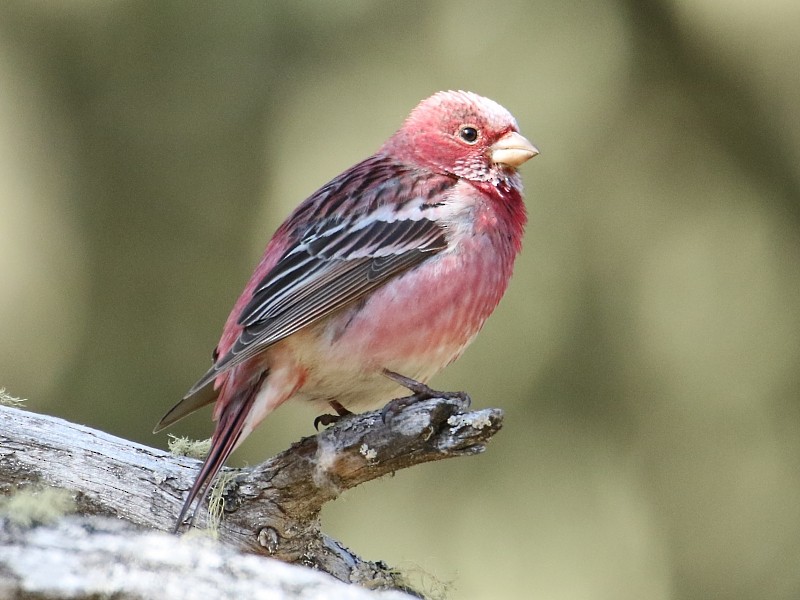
(468, 134)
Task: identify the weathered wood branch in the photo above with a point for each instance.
(88, 558)
(270, 509)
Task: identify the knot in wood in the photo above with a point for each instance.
(268, 538)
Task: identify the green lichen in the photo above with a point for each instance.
(183, 446)
(31, 506)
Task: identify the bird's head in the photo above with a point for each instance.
(461, 134)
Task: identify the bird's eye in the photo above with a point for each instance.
(468, 134)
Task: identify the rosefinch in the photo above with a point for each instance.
(391, 268)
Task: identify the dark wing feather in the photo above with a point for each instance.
(203, 395)
(334, 264)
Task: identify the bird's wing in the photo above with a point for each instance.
(338, 260)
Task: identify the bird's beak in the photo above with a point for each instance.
(512, 149)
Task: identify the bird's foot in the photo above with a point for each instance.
(420, 392)
(327, 419)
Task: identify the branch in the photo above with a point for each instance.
(270, 509)
(86, 558)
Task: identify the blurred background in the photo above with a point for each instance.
(647, 351)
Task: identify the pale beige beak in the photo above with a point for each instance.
(512, 149)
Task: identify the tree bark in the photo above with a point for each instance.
(90, 558)
(270, 509)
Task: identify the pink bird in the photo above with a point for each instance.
(377, 281)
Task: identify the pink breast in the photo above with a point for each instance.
(423, 320)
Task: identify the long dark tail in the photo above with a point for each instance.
(225, 439)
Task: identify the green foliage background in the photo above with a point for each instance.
(646, 354)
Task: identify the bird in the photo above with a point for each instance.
(376, 281)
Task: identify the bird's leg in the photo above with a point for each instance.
(326, 419)
(420, 392)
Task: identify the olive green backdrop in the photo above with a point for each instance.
(646, 353)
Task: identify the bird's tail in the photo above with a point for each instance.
(226, 438)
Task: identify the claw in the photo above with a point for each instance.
(421, 392)
(395, 406)
(326, 419)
